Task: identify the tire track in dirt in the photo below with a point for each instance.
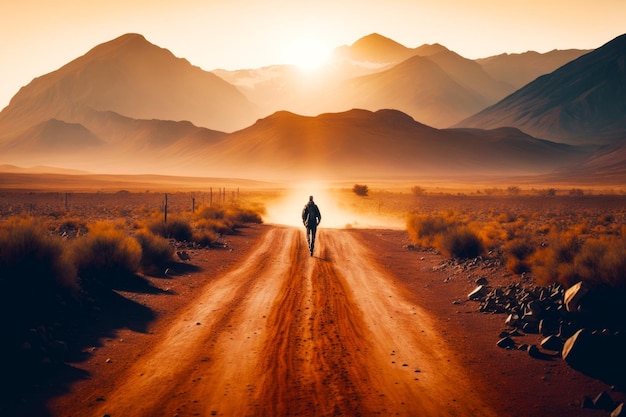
(207, 344)
(289, 334)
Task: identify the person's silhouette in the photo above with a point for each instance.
(311, 218)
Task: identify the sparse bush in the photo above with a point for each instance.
(513, 190)
(106, 256)
(446, 234)
(516, 254)
(602, 262)
(175, 228)
(207, 237)
(35, 272)
(424, 229)
(460, 242)
(418, 191)
(242, 215)
(156, 252)
(360, 189)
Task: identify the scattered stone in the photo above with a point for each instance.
(534, 352)
(506, 343)
(109, 360)
(619, 411)
(603, 401)
(183, 255)
(574, 296)
(587, 402)
(511, 319)
(482, 281)
(478, 293)
(552, 343)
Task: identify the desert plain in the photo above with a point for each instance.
(371, 324)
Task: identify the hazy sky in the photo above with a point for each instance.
(39, 36)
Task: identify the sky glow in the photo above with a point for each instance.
(40, 36)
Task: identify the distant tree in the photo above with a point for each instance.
(360, 190)
(417, 190)
(513, 190)
(576, 192)
(551, 192)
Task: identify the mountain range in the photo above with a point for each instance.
(378, 110)
(430, 83)
(581, 102)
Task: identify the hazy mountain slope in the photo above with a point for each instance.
(584, 101)
(518, 70)
(471, 76)
(53, 136)
(109, 142)
(374, 48)
(386, 143)
(417, 86)
(350, 80)
(135, 78)
(285, 146)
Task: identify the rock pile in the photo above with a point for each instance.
(566, 323)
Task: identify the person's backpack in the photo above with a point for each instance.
(308, 213)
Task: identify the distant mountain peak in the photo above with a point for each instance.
(376, 40)
(583, 101)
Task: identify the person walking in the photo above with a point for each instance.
(311, 218)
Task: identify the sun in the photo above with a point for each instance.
(307, 54)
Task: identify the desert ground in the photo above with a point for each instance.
(369, 325)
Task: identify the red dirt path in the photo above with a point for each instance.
(365, 327)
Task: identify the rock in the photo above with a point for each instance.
(183, 255)
(603, 401)
(619, 411)
(587, 402)
(552, 343)
(534, 352)
(546, 327)
(478, 293)
(511, 320)
(574, 296)
(576, 348)
(506, 343)
(530, 328)
(482, 281)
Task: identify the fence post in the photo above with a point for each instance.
(165, 210)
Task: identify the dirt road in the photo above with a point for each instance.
(289, 334)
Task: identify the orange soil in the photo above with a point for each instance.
(365, 327)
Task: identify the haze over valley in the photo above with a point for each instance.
(376, 109)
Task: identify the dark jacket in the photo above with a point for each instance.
(311, 216)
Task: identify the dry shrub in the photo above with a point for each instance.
(553, 261)
(35, 271)
(446, 234)
(106, 255)
(175, 228)
(360, 189)
(156, 252)
(206, 237)
(460, 242)
(491, 234)
(517, 253)
(243, 215)
(425, 228)
(602, 262)
(218, 226)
